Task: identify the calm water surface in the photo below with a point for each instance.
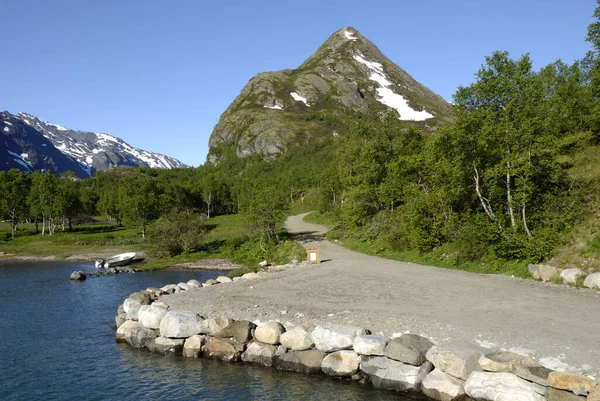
(56, 343)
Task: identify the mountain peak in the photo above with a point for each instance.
(347, 75)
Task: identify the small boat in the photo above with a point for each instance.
(122, 259)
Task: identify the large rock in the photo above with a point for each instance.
(139, 336)
(307, 362)
(260, 353)
(559, 395)
(408, 348)
(592, 281)
(443, 387)
(547, 272)
(296, 339)
(457, 358)
(269, 332)
(334, 337)
(180, 324)
(250, 276)
(240, 330)
(502, 386)
(192, 347)
(150, 316)
(571, 382)
(194, 283)
(78, 276)
(370, 344)
(133, 303)
(341, 363)
(594, 395)
(570, 276)
(215, 325)
(120, 319)
(168, 346)
(222, 350)
(388, 374)
(123, 328)
(185, 286)
(170, 289)
(224, 279)
(533, 373)
(504, 361)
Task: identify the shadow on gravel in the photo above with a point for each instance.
(308, 236)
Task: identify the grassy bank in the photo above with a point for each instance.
(225, 239)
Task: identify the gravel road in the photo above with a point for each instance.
(394, 297)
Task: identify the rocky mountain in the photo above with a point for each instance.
(347, 75)
(34, 144)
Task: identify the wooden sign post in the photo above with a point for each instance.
(312, 255)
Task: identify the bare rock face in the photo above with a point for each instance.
(457, 358)
(307, 362)
(276, 110)
(502, 386)
(408, 348)
(269, 332)
(388, 374)
(443, 387)
(341, 363)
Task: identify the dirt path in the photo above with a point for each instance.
(390, 297)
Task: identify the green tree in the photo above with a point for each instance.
(139, 200)
(14, 187)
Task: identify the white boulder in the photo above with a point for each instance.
(150, 316)
(329, 338)
(502, 386)
(341, 363)
(296, 339)
(370, 344)
(592, 281)
(388, 374)
(269, 332)
(180, 324)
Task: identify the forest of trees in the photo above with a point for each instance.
(506, 180)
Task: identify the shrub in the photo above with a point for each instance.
(178, 233)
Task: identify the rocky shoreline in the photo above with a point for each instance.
(450, 371)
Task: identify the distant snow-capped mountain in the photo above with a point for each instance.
(91, 150)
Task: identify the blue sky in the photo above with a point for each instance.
(158, 74)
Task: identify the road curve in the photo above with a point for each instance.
(390, 297)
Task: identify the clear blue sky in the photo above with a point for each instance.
(158, 74)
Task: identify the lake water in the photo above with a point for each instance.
(56, 343)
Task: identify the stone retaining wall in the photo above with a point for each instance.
(456, 370)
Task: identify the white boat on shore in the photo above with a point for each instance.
(121, 259)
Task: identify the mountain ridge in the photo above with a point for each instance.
(91, 151)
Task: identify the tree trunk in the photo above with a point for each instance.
(143, 231)
(525, 221)
(43, 225)
(509, 196)
(484, 202)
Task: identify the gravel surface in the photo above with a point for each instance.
(391, 297)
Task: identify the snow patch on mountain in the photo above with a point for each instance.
(299, 98)
(387, 96)
(350, 36)
(20, 160)
(276, 107)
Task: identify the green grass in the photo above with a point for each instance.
(326, 219)
(226, 239)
